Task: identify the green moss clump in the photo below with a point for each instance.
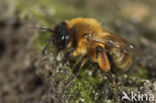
(82, 88)
(140, 73)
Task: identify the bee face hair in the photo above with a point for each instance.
(61, 37)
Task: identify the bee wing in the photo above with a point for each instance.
(116, 41)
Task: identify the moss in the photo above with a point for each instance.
(40, 42)
(60, 11)
(82, 87)
(140, 73)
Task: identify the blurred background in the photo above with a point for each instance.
(27, 77)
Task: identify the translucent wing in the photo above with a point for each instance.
(117, 42)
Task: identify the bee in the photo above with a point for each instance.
(85, 38)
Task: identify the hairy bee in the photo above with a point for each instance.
(85, 37)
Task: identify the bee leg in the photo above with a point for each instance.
(70, 50)
(104, 63)
(70, 80)
(67, 54)
(45, 48)
(102, 59)
(76, 68)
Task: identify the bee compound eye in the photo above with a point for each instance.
(62, 38)
(67, 37)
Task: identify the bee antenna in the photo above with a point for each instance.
(43, 29)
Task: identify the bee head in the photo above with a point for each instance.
(61, 36)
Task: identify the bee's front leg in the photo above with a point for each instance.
(45, 48)
(68, 53)
(75, 70)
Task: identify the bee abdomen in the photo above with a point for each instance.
(121, 60)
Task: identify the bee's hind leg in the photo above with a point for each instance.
(104, 63)
(75, 70)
